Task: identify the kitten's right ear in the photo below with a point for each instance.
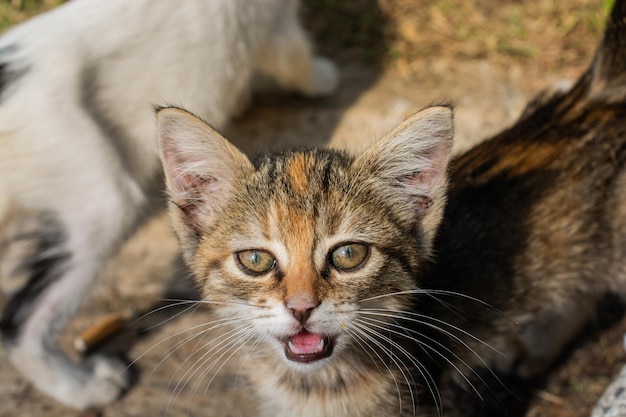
(200, 169)
(410, 166)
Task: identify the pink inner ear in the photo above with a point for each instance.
(185, 187)
(172, 166)
(422, 205)
(432, 174)
(425, 181)
(421, 186)
(196, 199)
(181, 184)
(176, 165)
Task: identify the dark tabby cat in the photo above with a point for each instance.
(345, 297)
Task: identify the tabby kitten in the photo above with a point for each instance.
(318, 251)
(351, 301)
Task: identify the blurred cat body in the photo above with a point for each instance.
(347, 295)
(79, 161)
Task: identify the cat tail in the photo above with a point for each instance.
(603, 82)
(607, 75)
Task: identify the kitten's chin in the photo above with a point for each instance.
(306, 347)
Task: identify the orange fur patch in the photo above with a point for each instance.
(298, 169)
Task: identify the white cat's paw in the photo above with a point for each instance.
(325, 78)
(108, 379)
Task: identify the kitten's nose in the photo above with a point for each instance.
(302, 307)
(302, 315)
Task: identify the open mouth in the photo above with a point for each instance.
(306, 347)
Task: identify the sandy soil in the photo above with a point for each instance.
(489, 88)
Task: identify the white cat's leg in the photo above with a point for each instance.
(289, 59)
(69, 257)
(59, 281)
(82, 205)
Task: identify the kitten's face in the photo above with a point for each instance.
(298, 247)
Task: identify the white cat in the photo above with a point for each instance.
(78, 159)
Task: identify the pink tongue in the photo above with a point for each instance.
(306, 342)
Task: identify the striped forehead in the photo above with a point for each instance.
(300, 176)
(294, 208)
(298, 172)
(300, 202)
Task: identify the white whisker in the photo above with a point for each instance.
(178, 333)
(204, 332)
(206, 356)
(231, 303)
(216, 348)
(194, 305)
(403, 315)
(430, 292)
(386, 326)
(357, 337)
(245, 358)
(428, 379)
(244, 336)
(404, 370)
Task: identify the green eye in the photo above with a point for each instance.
(350, 256)
(255, 262)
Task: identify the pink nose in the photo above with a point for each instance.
(302, 307)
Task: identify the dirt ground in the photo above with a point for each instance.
(489, 57)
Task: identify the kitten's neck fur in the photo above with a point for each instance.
(351, 386)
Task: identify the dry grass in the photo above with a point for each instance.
(16, 11)
(402, 34)
(549, 33)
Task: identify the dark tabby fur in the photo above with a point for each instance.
(535, 224)
(324, 260)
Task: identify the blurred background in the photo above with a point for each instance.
(396, 56)
(551, 34)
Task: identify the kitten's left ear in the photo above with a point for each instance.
(201, 168)
(410, 165)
